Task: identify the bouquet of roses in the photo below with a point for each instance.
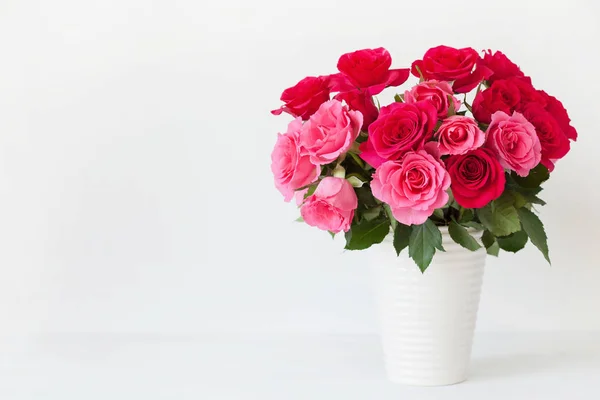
(429, 159)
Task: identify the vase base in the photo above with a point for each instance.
(415, 381)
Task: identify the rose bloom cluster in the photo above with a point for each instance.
(427, 148)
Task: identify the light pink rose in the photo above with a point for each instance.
(291, 169)
(438, 93)
(330, 132)
(413, 187)
(459, 134)
(331, 207)
(514, 141)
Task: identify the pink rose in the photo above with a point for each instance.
(329, 132)
(399, 128)
(331, 207)
(458, 135)
(438, 93)
(413, 187)
(514, 141)
(290, 169)
(359, 101)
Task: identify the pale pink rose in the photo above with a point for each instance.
(438, 93)
(413, 187)
(331, 207)
(514, 141)
(330, 132)
(458, 134)
(291, 169)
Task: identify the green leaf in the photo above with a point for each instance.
(299, 219)
(371, 213)
(494, 249)
(332, 234)
(311, 190)
(535, 200)
(534, 179)
(399, 98)
(465, 215)
(461, 236)
(535, 230)
(367, 233)
(520, 200)
(438, 213)
(489, 241)
(513, 242)
(526, 194)
(401, 237)
(365, 196)
(500, 216)
(390, 215)
(423, 241)
(473, 224)
(355, 181)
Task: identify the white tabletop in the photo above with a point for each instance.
(283, 367)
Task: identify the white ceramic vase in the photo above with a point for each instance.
(428, 319)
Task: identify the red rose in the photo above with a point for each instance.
(449, 64)
(369, 70)
(359, 101)
(555, 144)
(477, 178)
(527, 93)
(556, 108)
(400, 127)
(304, 98)
(501, 66)
(503, 96)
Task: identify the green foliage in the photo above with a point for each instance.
(513, 242)
(423, 242)
(523, 195)
(365, 197)
(366, 233)
(401, 237)
(491, 245)
(461, 236)
(500, 216)
(473, 224)
(371, 213)
(390, 215)
(465, 215)
(535, 230)
(534, 179)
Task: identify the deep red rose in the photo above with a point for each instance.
(527, 92)
(359, 101)
(303, 99)
(555, 144)
(501, 66)
(368, 70)
(449, 64)
(557, 110)
(400, 127)
(477, 178)
(503, 95)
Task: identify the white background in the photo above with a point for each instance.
(135, 140)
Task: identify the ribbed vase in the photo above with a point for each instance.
(428, 319)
